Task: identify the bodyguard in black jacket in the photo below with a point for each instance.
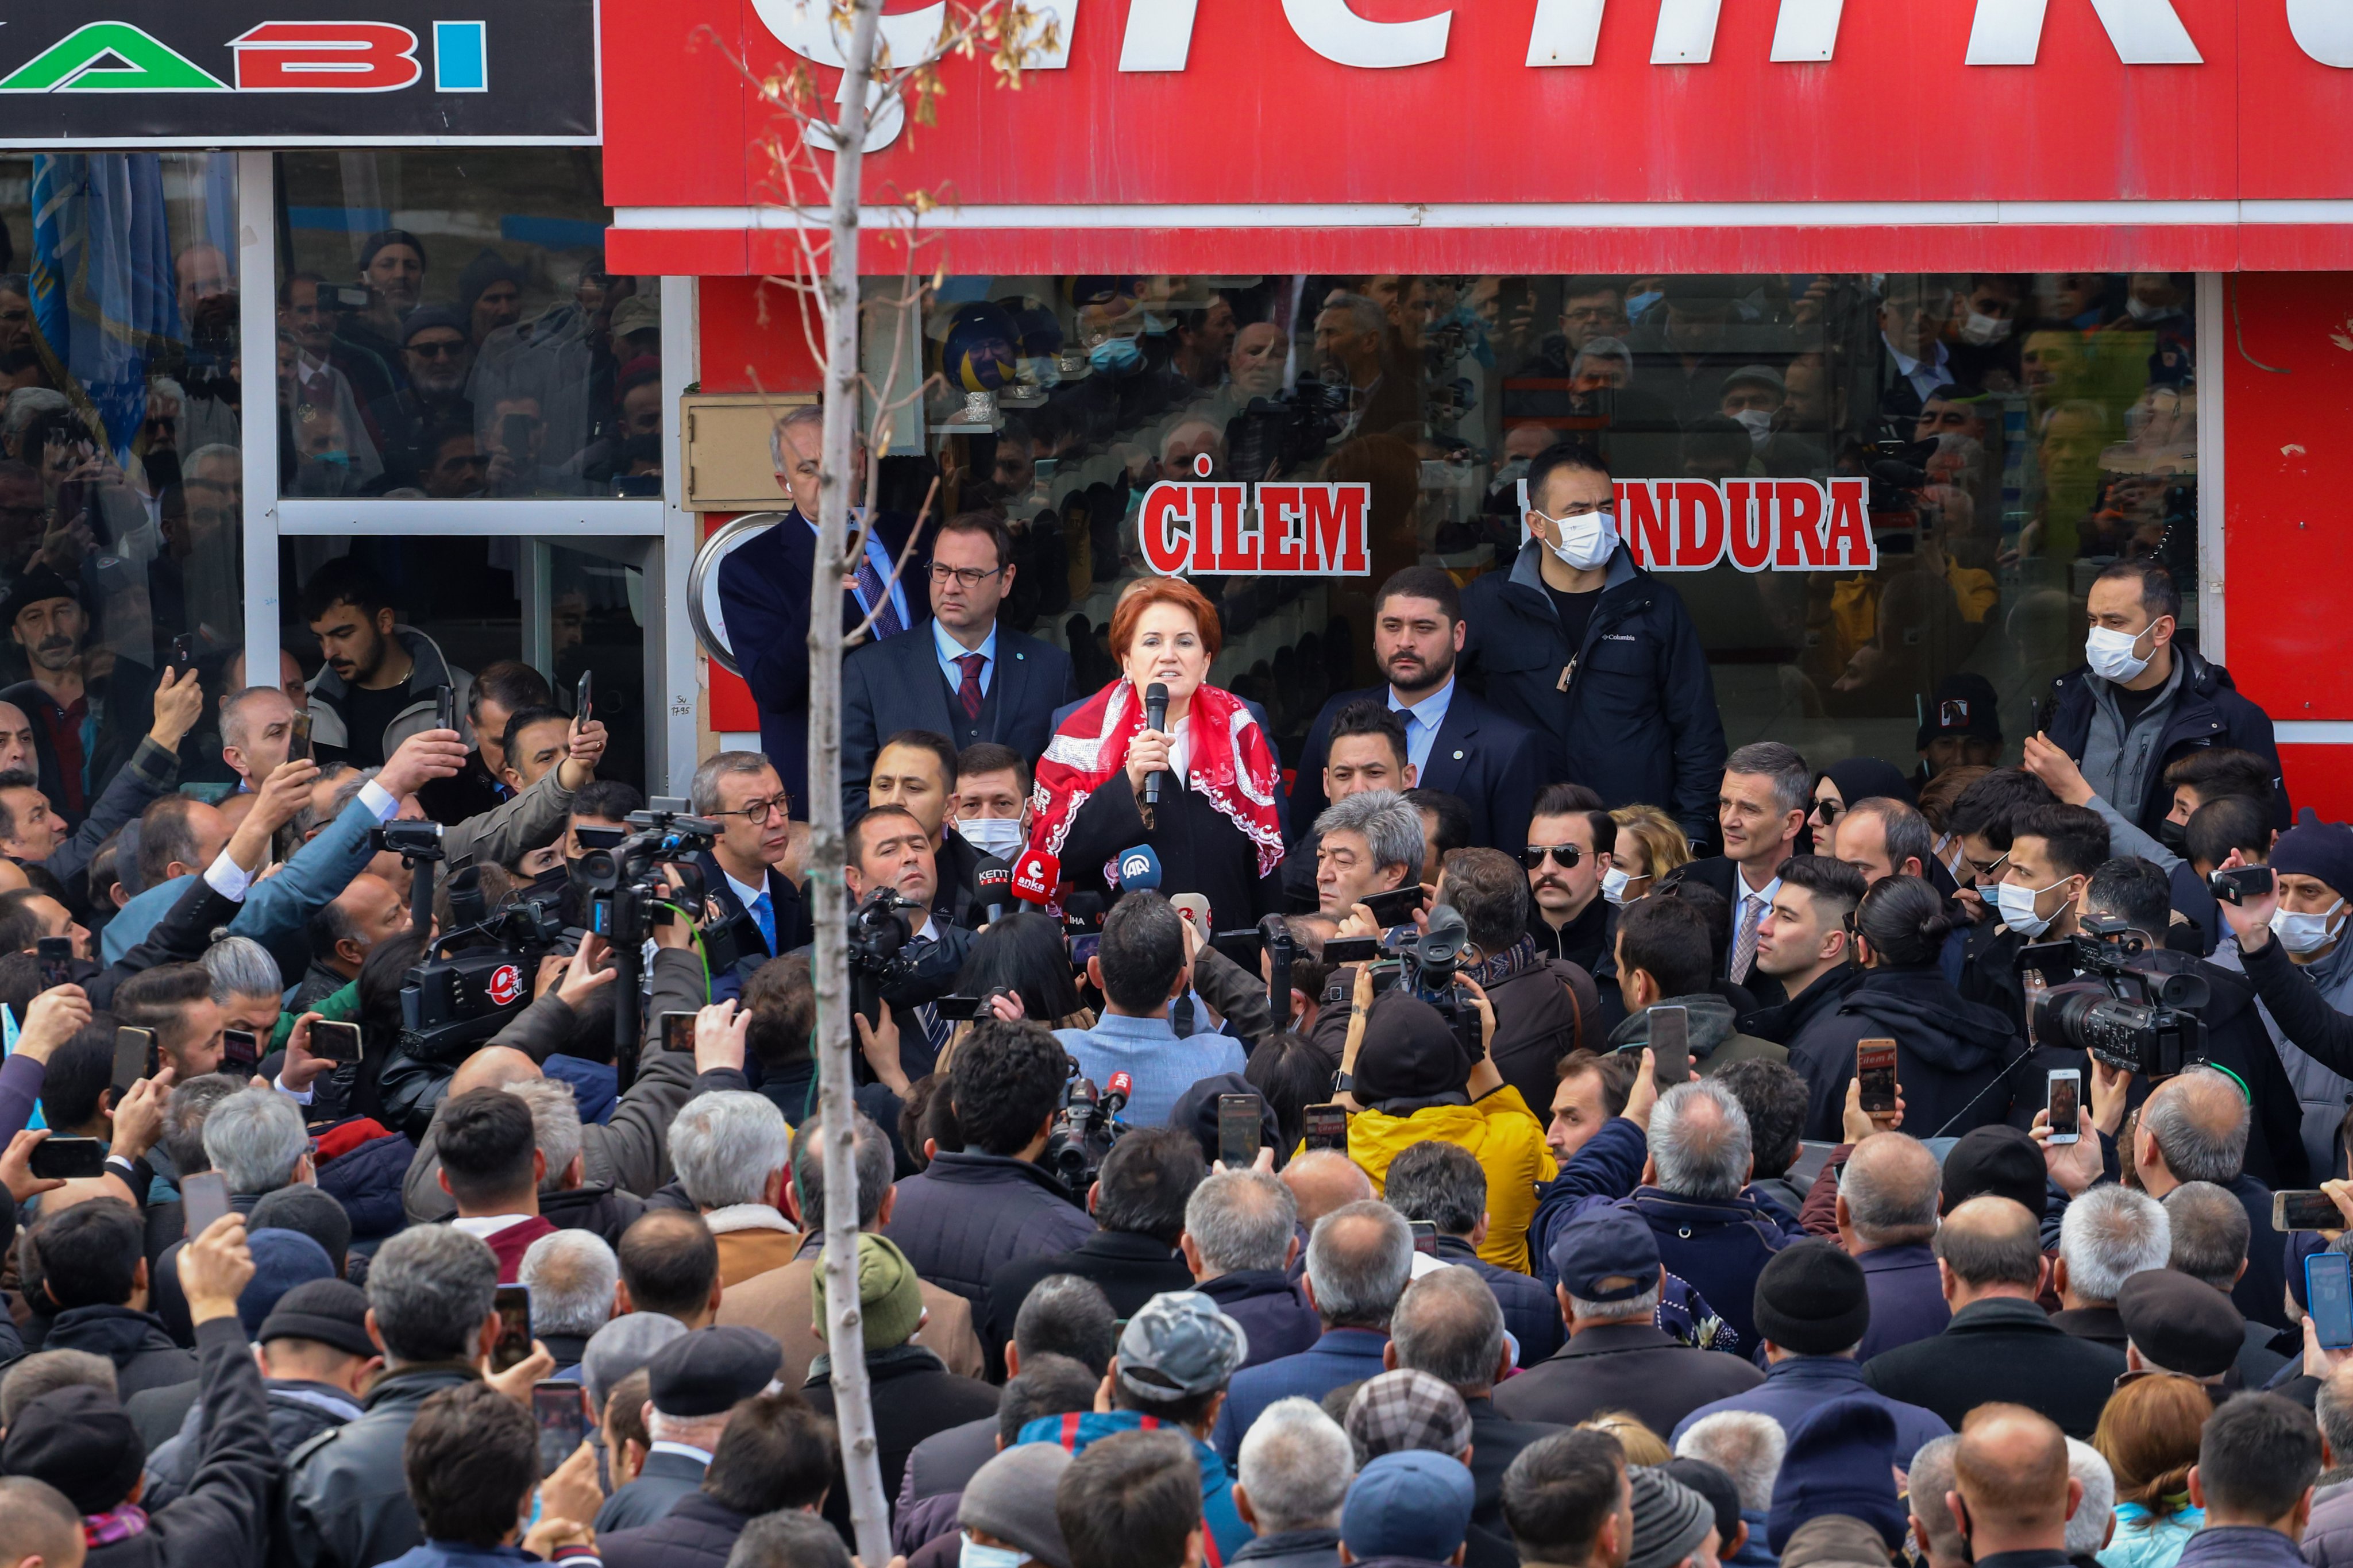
(2201, 708)
(1624, 703)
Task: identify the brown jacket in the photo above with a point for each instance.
(780, 1303)
(745, 1250)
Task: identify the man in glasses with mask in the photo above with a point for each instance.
(1594, 654)
(969, 677)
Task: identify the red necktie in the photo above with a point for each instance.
(969, 692)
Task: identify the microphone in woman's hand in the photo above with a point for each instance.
(1156, 716)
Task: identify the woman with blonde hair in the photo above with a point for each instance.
(1643, 1446)
(1650, 844)
(2148, 1433)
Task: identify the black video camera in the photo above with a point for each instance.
(1083, 1133)
(626, 893)
(1424, 962)
(880, 933)
(474, 977)
(2126, 1012)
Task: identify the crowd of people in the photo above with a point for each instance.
(1465, 1146)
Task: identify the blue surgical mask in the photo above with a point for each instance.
(1638, 303)
(1116, 356)
(973, 1555)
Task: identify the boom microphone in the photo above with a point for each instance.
(992, 882)
(1156, 716)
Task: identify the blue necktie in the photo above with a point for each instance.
(876, 594)
(765, 912)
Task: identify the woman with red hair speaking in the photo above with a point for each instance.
(1215, 827)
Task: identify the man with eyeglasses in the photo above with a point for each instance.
(1594, 654)
(763, 599)
(971, 680)
(741, 875)
(436, 355)
(1570, 841)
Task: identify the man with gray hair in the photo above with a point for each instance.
(257, 1141)
(1760, 809)
(571, 1275)
(1242, 1233)
(1935, 1535)
(2106, 1237)
(2328, 1538)
(2193, 1128)
(1358, 1260)
(778, 1302)
(1367, 843)
(764, 595)
(742, 870)
(2208, 1240)
(1296, 1470)
(1444, 1184)
(1449, 1324)
(429, 1293)
(1747, 1445)
(1886, 1210)
(732, 1152)
(2094, 1518)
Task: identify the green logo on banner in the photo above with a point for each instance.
(110, 57)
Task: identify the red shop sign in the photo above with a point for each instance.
(1245, 135)
(1273, 529)
(1759, 525)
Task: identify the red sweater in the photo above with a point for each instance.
(511, 1243)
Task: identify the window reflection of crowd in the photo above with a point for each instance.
(2011, 425)
(384, 391)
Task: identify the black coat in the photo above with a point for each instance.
(144, 1353)
(1958, 1063)
(791, 914)
(764, 596)
(664, 1481)
(1495, 1441)
(346, 1491)
(1530, 1311)
(897, 684)
(222, 1516)
(2207, 712)
(1271, 1309)
(1638, 721)
(699, 1532)
(1634, 1367)
(1132, 1269)
(915, 1395)
(1722, 875)
(2002, 1349)
(1201, 849)
(1490, 763)
(969, 1214)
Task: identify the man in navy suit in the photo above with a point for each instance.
(764, 597)
(742, 873)
(1454, 741)
(966, 677)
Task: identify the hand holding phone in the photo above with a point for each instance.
(203, 1198)
(560, 1412)
(1396, 907)
(240, 1052)
(1670, 1047)
(2329, 1294)
(134, 1058)
(2240, 883)
(335, 1042)
(583, 709)
(1327, 1127)
(55, 955)
(1875, 1068)
(2063, 1104)
(56, 1159)
(298, 738)
(2304, 1210)
(1238, 1129)
(513, 1304)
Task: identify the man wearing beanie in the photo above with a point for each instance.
(1813, 1308)
(78, 1439)
(1174, 1359)
(282, 1260)
(1842, 1460)
(2292, 946)
(1675, 1527)
(1009, 1504)
(914, 1393)
(316, 1360)
(1408, 1507)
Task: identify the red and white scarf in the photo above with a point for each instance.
(1229, 762)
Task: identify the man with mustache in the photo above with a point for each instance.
(435, 357)
(1456, 743)
(85, 725)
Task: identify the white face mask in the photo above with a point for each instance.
(1759, 423)
(1586, 541)
(2017, 907)
(2301, 934)
(973, 1555)
(1984, 330)
(998, 836)
(2110, 653)
(1613, 885)
(2140, 310)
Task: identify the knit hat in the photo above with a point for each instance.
(331, 1311)
(1716, 1484)
(890, 1297)
(1012, 1498)
(1409, 1052)
(1410, 1504)
(281, 1260)
(1841, 1458)
(78, 1440)
(1670, 1519)
(2181, 1324)
(1813, 1299)
(1178, 1345)
(621, 1347)
(2316, 848)
(310, 1210)
(426, 317)
(1997, 1158)
(1406, 1410)
(34, 586)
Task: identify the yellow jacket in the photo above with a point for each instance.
(1499, 1131)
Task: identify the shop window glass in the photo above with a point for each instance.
(2016, 432)
(447, 330)
(122, 486)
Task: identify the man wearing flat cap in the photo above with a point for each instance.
(2181, 1327)
(1174, 1361)
(436, 352)
(693, 1382)
(48, 616)
(1616, 1357)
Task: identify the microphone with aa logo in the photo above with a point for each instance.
(1139, 868)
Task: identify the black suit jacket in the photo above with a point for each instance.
(896, 685)
(792, 915)
(764, 596)
(1722, 874)
(2002, 1349)
(1491, 764)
